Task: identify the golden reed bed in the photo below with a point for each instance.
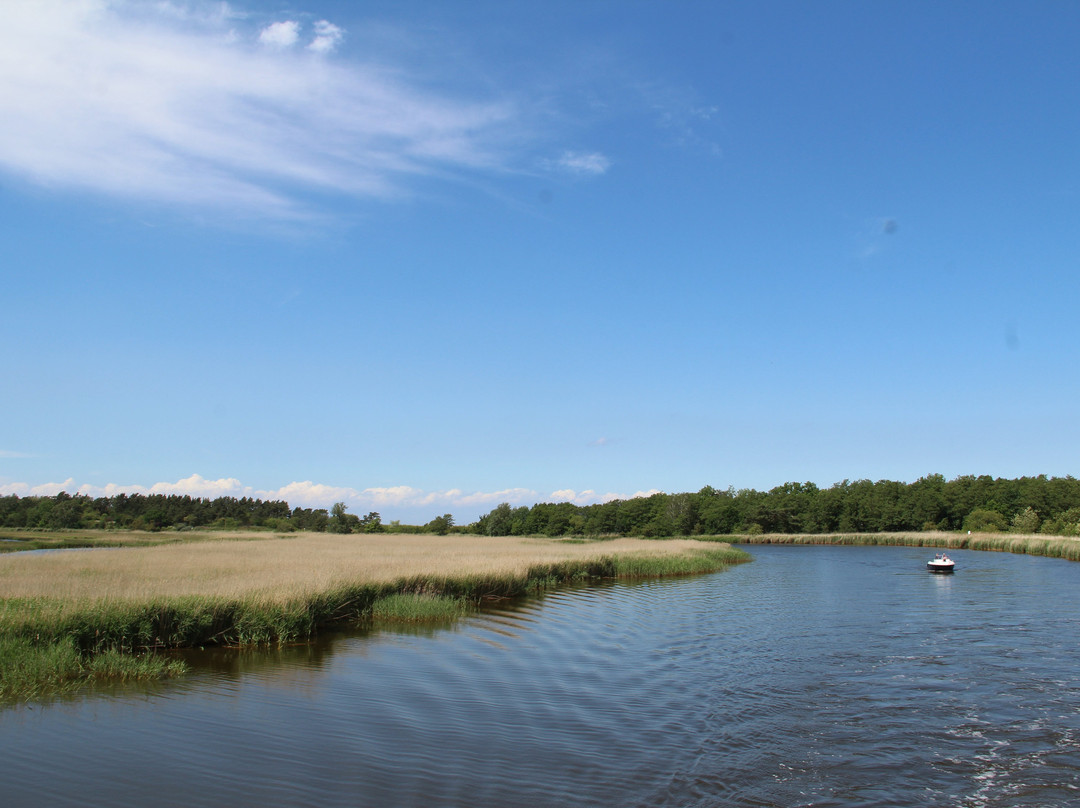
(281, 568)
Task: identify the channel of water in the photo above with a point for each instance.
(814, 676)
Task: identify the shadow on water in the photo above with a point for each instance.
(318, 652)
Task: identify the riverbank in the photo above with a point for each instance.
(1026, 544)
(68, 618)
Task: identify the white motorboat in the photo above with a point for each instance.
(941, 563)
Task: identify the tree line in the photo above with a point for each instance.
(163, 512)
(1025, 505)
(1043, 504)
(179, 512)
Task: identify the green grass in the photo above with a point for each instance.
(51, 646)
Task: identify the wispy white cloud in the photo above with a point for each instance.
(308, 494)
(327, 37)
(4, 453)
(193, 104)
(583, 163)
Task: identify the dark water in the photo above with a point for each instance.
(826, 676)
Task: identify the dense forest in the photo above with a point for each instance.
(175, 512)
(159, 512)
(1025, 505)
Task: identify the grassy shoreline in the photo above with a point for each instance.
(54, 637)
(1025, 544)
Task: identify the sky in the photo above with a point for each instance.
(425, 257)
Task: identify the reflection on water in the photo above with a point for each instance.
(814, 676)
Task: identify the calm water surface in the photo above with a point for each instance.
(825, 676)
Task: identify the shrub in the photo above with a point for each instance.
(1026, 521)
(1066, 524)
(985, 520)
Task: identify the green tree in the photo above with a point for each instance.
(440, 525)
(339, 523)
(1064, 524)
(65, 514)
(500, 522)
(1026, 521)
(986, 520)
(681, 512)
(372, 523)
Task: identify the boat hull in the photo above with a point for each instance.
(938, 567)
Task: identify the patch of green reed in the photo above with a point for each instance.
(409, 608)
(28, 669)
(668, 566)
(32, 669)
(707, 559)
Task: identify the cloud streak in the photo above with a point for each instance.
(192, 104)
(308, 494)
(580, 164)
(327, 37)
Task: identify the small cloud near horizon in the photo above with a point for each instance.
(308, 494)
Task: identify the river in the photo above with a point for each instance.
(814, 676)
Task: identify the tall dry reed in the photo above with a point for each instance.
(281, 569)
(136, 600)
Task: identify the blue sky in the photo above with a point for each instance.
(426, 257)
